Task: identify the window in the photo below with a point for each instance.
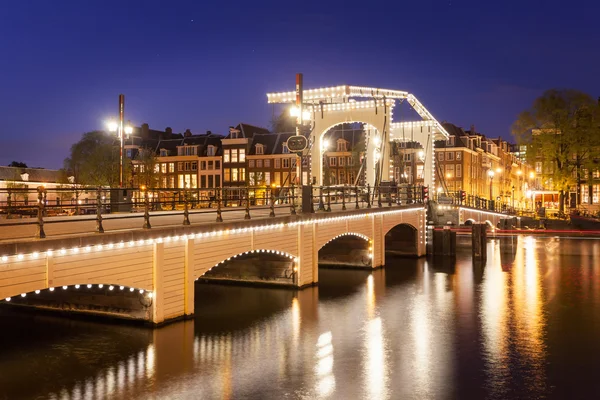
(277, 178)
(419, 171)
(234, 155)
(210, 181)
(596, 174)
(210, 165)
(341, 161)
(227, 173)
(172, 181)
(342, 177)
(202, 181)
(187, 150)
(129, 153)
(171, 168)
(179, 166)
(332, 161)
(163, 168)
(164, 152)
(450, 171)
(202, 165)
(458, 155)
(341, 145)
(250, 163)
(226, 155)
(595, 194)
(164, 182)
(181, 181)
(286, 163)
(217, 180)
(242, 155)
(458, 171)
(267, 163)
(156, 168)
(260, 149)
(350, 160)
(285, 149)
(450, 156)
(441, 156)
(234, 174)
(278, 163)
(267, 178)
(408, 157)
(242, 174)
(259, 163)
(217, 164)
(538, 167)
(187, 166)
(210, 150)
(450, 141)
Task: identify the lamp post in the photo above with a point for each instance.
(121, 130)
(513, 197)
(491, 175)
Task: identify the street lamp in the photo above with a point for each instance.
(491, 175)
(114, 126)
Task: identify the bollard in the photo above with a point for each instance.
(321, 202)
(186, 211)
(368, 196)
(146, 211)
(40, 217)
(247, 214)
(389, 197)
(379, 203)
(478, 240)
(343, 198)
(219, 216)
(356, 206)
(99, 227)
(293, 206)
(328, 200)
(272, 206)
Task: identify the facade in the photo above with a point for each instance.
(235, 148)
(488, 168)
(342, 155)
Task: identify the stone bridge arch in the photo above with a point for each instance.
(402, 239)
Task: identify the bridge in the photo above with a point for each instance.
(148, 272)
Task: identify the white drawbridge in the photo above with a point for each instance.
(330, 106)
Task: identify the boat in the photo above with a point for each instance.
(586, 223)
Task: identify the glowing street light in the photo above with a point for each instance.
(122, 130)
(491, 175)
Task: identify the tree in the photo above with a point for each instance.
(562, 132)
(94, 160)
(17, 164)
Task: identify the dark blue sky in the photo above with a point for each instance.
(205, 65)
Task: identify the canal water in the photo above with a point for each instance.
(526, 325)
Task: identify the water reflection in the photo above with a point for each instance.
(518, 326)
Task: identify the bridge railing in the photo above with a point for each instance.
(40, 206)
(481, 203)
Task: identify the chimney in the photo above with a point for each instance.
(472, 129)
(145, 131)
(169, 130)
(208, 133)
(187, 133)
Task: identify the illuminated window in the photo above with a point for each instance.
(250, 163)
(227, 175)
(277, 163)
(441, 156)
(226, 155)
(242, 153)
(267, 163)
(234, 155)
(171, 167)
(260, 149)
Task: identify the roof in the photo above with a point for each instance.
(273, 142)
(35, 174)
(248, 131)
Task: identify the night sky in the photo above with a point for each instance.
(206, 65)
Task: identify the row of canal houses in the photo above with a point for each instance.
(247, 156)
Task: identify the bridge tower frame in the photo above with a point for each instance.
(331, 106)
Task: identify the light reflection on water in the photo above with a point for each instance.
(520, 326)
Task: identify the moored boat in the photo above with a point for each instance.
(585, 223)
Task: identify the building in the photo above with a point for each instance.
(235, 148)
(343, 151)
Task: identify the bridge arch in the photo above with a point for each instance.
(349, 249)
(402, 239)
(267, 265)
